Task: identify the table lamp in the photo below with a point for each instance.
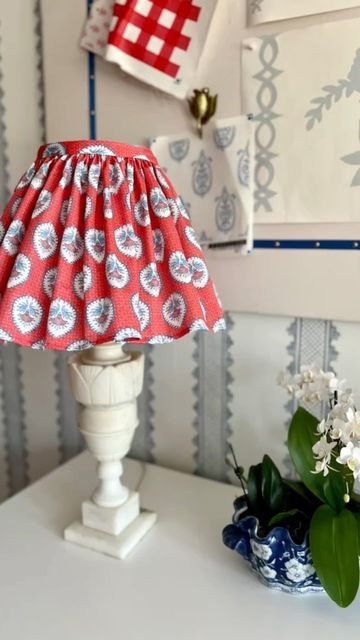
(97, 250)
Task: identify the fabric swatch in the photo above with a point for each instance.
(160, 41)
(260, 11)
(214, 178)
(306, 113)
(97, 25)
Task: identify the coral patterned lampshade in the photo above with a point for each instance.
(96, 246)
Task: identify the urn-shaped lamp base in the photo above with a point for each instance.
(106, 382)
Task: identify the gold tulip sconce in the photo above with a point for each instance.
(203, 107)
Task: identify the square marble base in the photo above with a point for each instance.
(111, 520)
(117, 546)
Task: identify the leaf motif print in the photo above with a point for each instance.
(128, 242)
(191, 236)
(45, 240)
(72, 245)
(54, 149)
(159, 245)
(100, 314)
(150, 280)
(50, 281)
(43, 203)
(65, 210)
(81, 177)
(108, 212)
(198, 325)
(95, 244)
(219, 325)
(202, 178)
(116, 178)
(97, 149)
(244, 166)
(15, 206)
(40, 176)
(61, 319)
(225, 211)
(67, 175)
(179, 149)
(20, 271)
(88, 207)
(141, 310)
(174, 310)
(224, 136)
(179, 267)
(199, 272)
(27, 177)
(95, 177)
(14, 237)
(141, 211)
(82, 282)
(117, 274)
(159, 203)
(27, 314)
(161, 178)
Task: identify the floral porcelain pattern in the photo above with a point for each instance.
(278, 562)
(96, 245)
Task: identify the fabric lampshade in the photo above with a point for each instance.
(96, 246)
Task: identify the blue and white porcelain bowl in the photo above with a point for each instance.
(276, 559)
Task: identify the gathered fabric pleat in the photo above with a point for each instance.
(96, 246)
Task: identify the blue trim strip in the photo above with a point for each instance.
(338, 245)
(92, 91)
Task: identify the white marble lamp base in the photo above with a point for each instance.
(106, 382)
(114, 531)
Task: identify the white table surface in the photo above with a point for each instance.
(180, 583)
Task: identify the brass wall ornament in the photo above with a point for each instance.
(203, 107)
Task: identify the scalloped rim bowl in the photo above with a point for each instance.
(276, 559)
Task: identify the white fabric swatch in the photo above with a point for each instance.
(271, 10)
(302, 88)
(214, 178)
(97, 25)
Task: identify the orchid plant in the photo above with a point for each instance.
(325, 502)
(339, 432)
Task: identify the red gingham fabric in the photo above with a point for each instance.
(148, 26)
(95, 246)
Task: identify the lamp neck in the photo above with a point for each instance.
(108, 353)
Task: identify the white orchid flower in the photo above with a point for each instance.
(322, 466)
(350, 455)
(323, 448)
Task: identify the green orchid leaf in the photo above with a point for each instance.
(272, 486)
(335, 489)
(357, 520)
(302, 437)
(334, 551)
(283, 517)
(254, 489)
(299, 488)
